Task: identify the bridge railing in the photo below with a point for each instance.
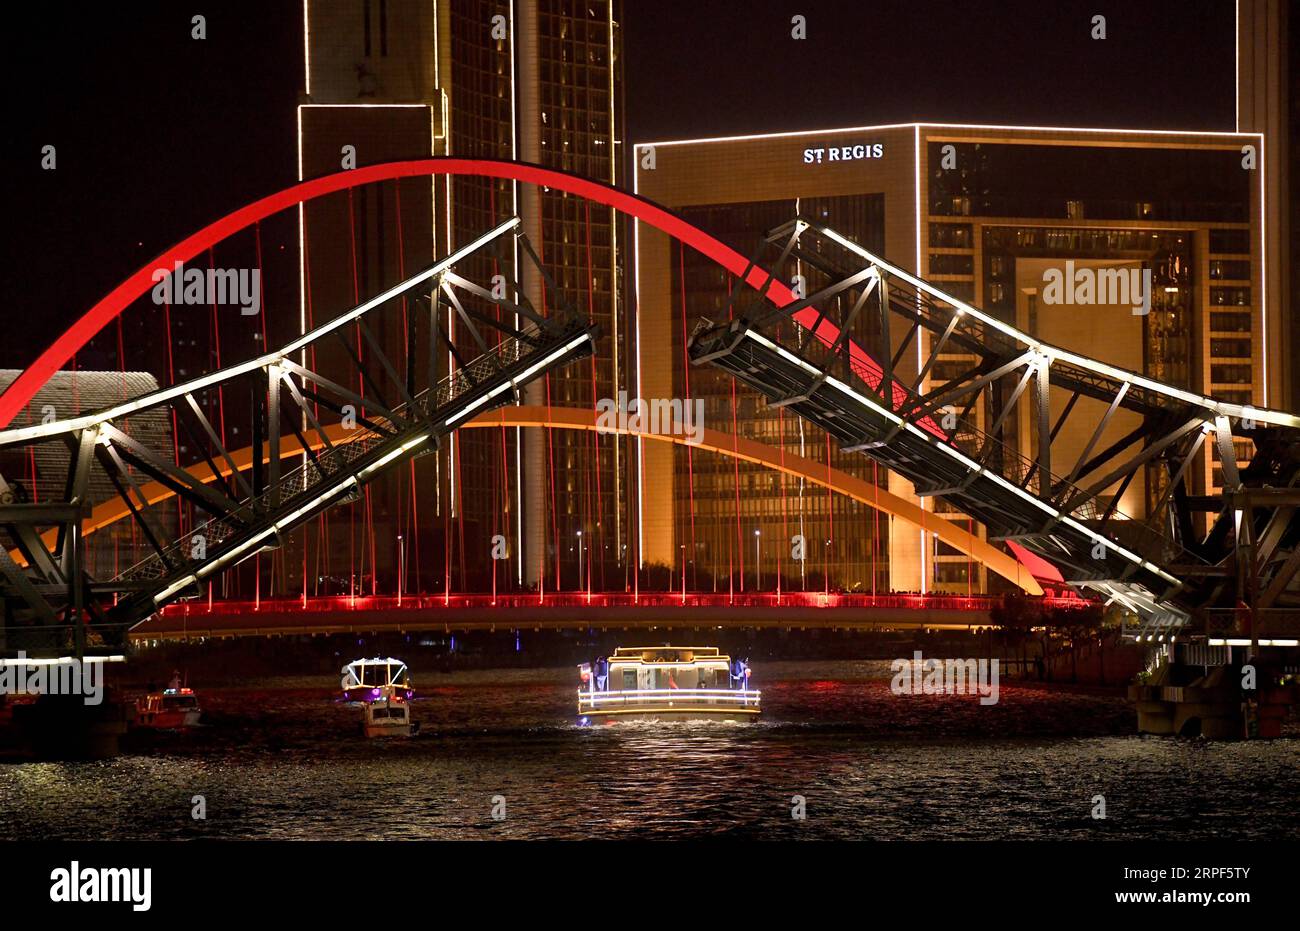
(505, 602)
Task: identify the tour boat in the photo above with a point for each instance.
(666, 683)
(168, 710)
(368, 680)
(388, 716)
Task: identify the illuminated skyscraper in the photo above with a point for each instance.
(534, 80)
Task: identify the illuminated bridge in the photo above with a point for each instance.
(345, 402)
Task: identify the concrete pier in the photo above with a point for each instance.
(1187, 701)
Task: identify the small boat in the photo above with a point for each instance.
(169, 710)
(388, 716)
(368, 680)
(666, 683)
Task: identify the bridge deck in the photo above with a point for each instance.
(567, 611)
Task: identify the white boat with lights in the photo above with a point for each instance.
(388, 716)
(666, 683)
(369, 680)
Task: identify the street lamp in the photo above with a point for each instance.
(580, 575)
(758, 560)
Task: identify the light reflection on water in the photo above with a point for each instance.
(290, 763)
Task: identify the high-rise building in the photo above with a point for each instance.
(1267, 72)
(983, 212)
(534, 80)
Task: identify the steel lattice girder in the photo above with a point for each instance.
(286, 397)
(928, 435)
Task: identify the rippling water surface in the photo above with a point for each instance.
(284, 761)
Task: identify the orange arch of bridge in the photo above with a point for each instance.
(571, 418)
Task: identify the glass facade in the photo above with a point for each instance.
(985, 211)
(735, 520)
(578, 126)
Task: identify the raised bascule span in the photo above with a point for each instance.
(1184, 557)
(399, 408)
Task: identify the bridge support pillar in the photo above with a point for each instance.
(1211, 705)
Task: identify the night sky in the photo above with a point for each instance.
(158, 134)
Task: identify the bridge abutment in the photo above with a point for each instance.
(1210, 702)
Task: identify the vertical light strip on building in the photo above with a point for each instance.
(444, 115)
(613, 289)
(302, 237)
(1263, 264)
(514, 247)
(916, 167)
(306, 62)
(636, 329)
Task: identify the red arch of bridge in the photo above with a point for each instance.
(25, 386)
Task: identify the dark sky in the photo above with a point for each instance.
(158, 134)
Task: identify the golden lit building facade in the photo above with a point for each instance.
(984, 213)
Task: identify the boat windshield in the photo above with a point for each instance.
(388, 674)
(376, 674)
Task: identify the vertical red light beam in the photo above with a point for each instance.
(412, 526)
(492, 553)
(356, 299)
(785, 525)
(505, 443)
(216, 349)
(740, 539)
(550, 450)
(272, 417)
(460, 517)
(875, 517)
(686, 376)
(970, 529)
(176, 443)
(830, 516)
(322, 539)
(446, 545)
(595, 436)
(415, 526)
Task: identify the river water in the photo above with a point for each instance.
(282, 760)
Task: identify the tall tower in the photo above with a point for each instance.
(534, 80)
(1264, 79)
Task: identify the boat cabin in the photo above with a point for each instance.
(666, 681)
(370, 679)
